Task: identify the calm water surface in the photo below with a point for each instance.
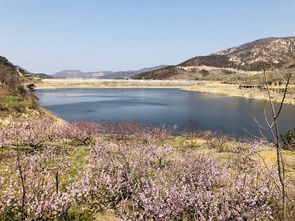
(162, 106)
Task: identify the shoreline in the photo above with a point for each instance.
(111, 83)
(232, 90)
(212, 87)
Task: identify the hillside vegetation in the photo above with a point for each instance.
(16, 97)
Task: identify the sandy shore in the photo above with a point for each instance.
(234, 91)
(198, 86)
(105, 83)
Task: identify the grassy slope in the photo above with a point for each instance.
(11, 102)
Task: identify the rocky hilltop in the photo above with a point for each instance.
(249, 58)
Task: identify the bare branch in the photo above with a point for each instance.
(284, 96)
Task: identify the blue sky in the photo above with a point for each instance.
(52, 35)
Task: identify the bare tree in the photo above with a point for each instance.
(273, 127)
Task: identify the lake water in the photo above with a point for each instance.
(230, 115)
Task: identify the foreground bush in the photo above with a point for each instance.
(81, 132)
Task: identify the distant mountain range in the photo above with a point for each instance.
(103, 74)
(244, 60)
(247, 58)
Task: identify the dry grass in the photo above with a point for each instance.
(99, 83)
(107, 216)
(269, 157)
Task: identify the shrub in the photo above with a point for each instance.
(35, 187)
(289, 140)
(81, 132)
(34, 134)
